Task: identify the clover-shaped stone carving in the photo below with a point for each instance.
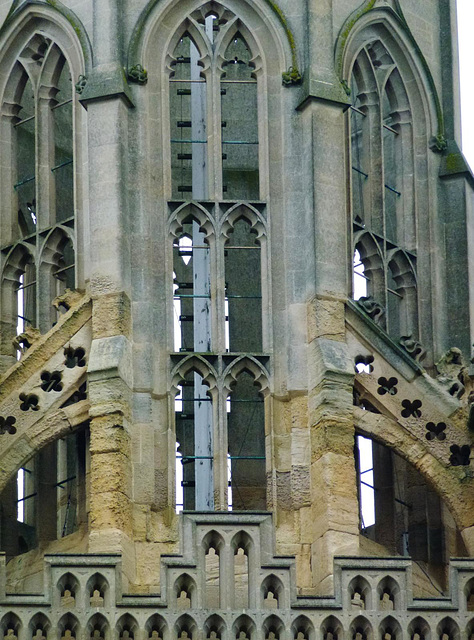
(460, 455)
(387, 386)
(75, 357)
(363, 364)
(29, 401)
(411, 409)
(6, 425)
(51, 381)
(436, 431)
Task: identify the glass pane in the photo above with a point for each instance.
(25, 184)
(243, 289)
(246, 440)
(191, 291)
(193, 410)
(239, 124)
(63, 167)
(188, 124)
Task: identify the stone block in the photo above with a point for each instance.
(111, 315)
(326, 319)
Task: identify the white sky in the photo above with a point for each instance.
(466, 50)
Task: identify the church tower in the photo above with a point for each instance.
(236, 261)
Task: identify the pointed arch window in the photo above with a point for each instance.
(219, 227)
(214, 136)
(39, 117)
(382, 179)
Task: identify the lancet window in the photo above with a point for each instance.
(382, 179)
(219, 252)
(37, 240)
(214, 137)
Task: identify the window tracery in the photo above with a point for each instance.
(219, 252)
(37, 112)
(382, 200)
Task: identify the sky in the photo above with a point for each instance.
(466, 55)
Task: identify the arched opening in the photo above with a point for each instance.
(45, 499)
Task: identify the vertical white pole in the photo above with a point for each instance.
(204, 494)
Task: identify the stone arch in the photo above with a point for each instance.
(390, 629)
(468, 593)
(382, 23)
(67, 590)
(273, 628)
(213, 539)
(187, 212)
(156, 628)
(388, 594)
(268, 13)
(10, 625)
(215, 628)
(370, 253)
(127, 628)
(302, 628)
(248, 213)
(198, 365)
(251, 366)
(331, 629)
(40, 627)
(272, 592)
(360, 629)
(69, 627)
(97, 591)
(189, 28)
(246, 626)
(360, 593)
(444, 480)
(60, 21)
(448, 629)
(419, 629)
(236, 28)
(186, 624)
(97, 628)
(185, 584)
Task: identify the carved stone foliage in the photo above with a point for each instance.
(372, 308)
(412, 347)
(452, 372)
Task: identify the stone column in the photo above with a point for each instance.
(107, 99)
(334, 504)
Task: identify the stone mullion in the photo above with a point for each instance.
(226, 577)
(406, 217)
(45, 192)
(214, 135)
(8, 175)
(220, 450)
(45, 204)
(372, 146)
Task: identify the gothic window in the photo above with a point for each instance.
(219, 252)
(38, 110)
(214, 136)
(383, 209)
(246, 445)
